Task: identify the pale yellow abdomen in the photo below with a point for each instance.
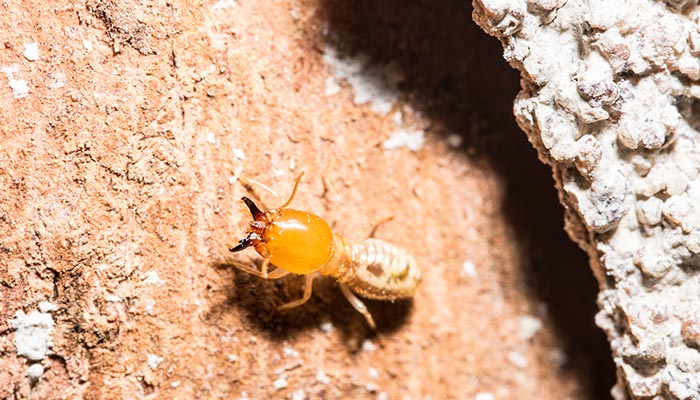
(374, 269)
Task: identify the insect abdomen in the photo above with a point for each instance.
(381, 271)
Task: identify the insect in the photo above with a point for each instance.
(302, 243)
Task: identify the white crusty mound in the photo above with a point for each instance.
(610, 101)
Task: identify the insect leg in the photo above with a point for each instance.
(275, 274)
(358, 305)
(278, 273)
(307, 294)
(265, 264)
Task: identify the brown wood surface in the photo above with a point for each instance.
(117, 203)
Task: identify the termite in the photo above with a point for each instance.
(302, 243)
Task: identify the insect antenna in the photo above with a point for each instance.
(296, 185)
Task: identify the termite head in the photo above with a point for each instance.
(294, 240)
(256, 230)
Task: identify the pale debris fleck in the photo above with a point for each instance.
(280, 383)
(382, 396)
(46, 307)
(33, 337)
(454, 140)
(332, 87)
(484, 396)
(175, 384)
(152, 278)
(469, 269)
(35, 371)
(228, 337)
(370, 84)
(558, 357)
(239, 154)
(528, 326)
(154, 361)
(149, 303)
(211, 138)
(31, 51)
(321, 377)
(87, 44)
(397, 118)
(518, 359)
(288, 351)
(232, 358)
(19, 87)
(373, 373)
(327, 327)
(411, 139)
(277, 172)
(369, 346)
(299, 395)
(33, 334)
(234, 178)
(224, 4)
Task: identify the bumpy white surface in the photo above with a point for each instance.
(33, 336)
(610, 99)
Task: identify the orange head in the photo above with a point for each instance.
(293, 240)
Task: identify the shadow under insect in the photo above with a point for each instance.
(260, 299)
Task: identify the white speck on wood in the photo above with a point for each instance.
(32, 334)
(412, 140)
(57, 80)
(280, 383)
(31, 51)
(211, 138)
(239, 154)
(469, 269)
(369, 346)
(20, 87)
(528, 326)
(327, 327)
(321, 377)
(224, 4)
(370, 83)
(35, 371)
(153, 361)
(152, 278)
(518, 359)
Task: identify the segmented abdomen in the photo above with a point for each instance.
(374, 269)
